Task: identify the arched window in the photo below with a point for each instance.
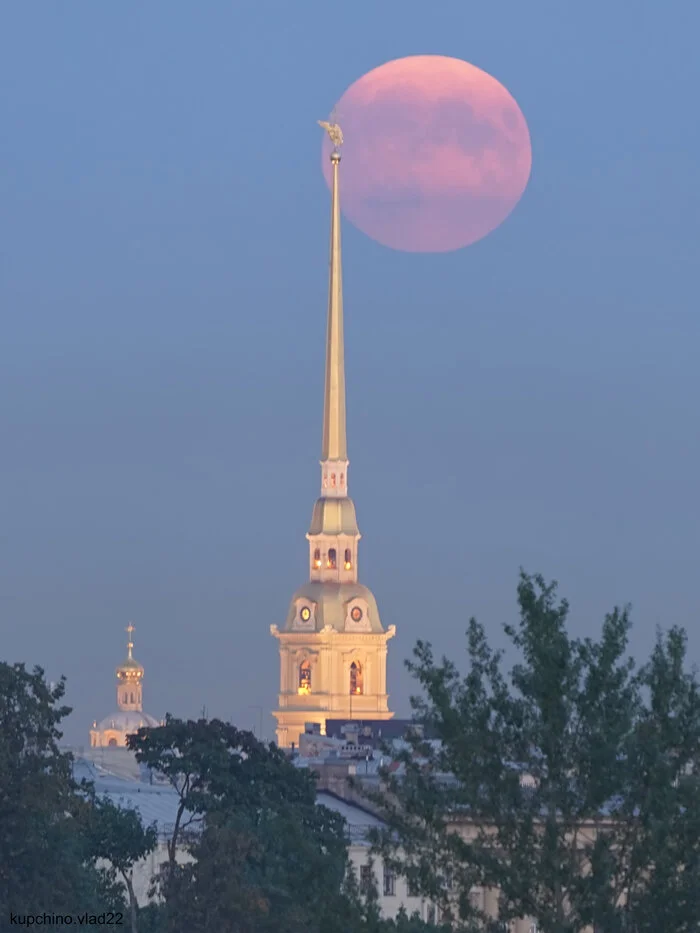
(112, 742)
(355, 678)
(131, 698)
(348, 559)
(332, 480)
(342, 479)
(125, 697)
(331, 563)
(317, 558)
(305, 677)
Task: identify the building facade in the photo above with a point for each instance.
(333, 646)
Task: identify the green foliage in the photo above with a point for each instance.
(152, 918)
(46, 860)
(266, 856)
(655, 854)
(611, 805)
(118, 836)
(413, 924)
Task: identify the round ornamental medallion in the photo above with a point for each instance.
(356, 614)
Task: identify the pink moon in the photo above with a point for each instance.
(436, 154)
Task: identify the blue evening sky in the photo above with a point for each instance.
(531, 400)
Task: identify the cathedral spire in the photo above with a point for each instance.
(334, 449)
(333, 644)
(334, 438)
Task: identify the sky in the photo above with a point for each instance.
(528, 401)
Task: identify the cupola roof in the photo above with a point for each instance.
(130, 667)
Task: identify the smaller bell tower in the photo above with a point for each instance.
(113, 730)
(129, 679)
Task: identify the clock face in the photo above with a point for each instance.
(305, 614)
(356, 614)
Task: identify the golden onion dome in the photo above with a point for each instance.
(130, 669)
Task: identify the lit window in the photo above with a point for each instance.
(305, 678)
(317, 558)
(348, 559)
(355, 678)
(332, 480)
(331, 563)
(389, 882)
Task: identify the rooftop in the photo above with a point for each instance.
(117, 775)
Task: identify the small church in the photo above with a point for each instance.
(333, 646)
(111, 732)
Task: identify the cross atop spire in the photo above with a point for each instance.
(130, 644)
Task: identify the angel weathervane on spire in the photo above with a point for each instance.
(334, 131)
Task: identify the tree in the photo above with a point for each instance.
(118, 836)
(654, 850)
(45, 857)
(404, 923)
(574, 779)
(265, 855)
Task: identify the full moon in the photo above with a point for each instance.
(436, 154)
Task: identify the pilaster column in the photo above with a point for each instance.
(381, 686)
(286, 660)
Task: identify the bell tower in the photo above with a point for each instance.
(130, 679)
(333, 646)
(129, 717)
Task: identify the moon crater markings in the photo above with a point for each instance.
(437, 153)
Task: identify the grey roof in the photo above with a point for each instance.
(375, 731)
(157, 803)
(357, 820)
(352, 814)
